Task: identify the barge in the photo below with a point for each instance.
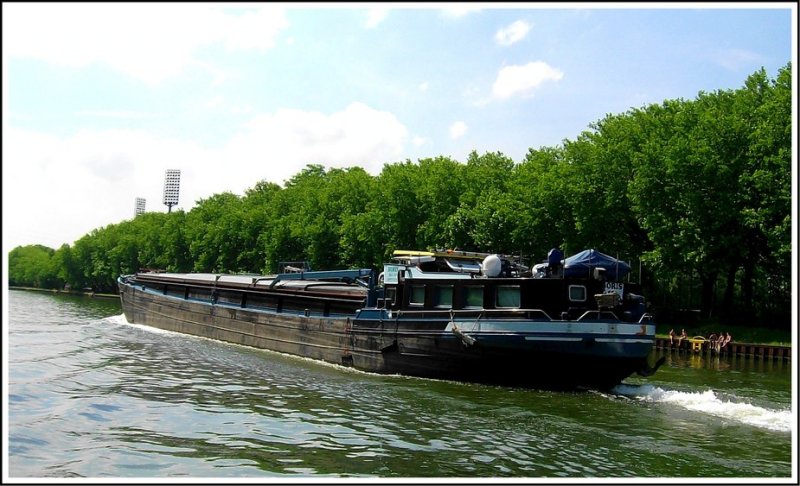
(566, 323)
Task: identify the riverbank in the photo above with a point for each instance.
(701, 346)
(97, 295)
(743, 334)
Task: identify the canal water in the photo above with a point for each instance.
(91, 396)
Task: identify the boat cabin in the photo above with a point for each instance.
(436, 283)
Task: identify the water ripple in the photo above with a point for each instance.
(92, 396)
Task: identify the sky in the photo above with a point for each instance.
(100, 99)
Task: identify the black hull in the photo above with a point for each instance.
(389, 346)
(545, 370)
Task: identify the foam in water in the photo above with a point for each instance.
(709, 403)
(120, 320)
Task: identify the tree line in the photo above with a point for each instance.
(696, 192)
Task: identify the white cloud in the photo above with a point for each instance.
(149, 41)
(60, 188)
(513, 33)
(737, 59)
(121, 115)
(523, 80)
(419, 141)
(215, 102)
(219, 76)
(358, 135)
(423, 86)
(458, 10)
(458, 129)
(255, 29)
(219, 104)
(375, 16)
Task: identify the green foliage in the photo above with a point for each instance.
(216, 234)
(698, 191)
(32, 266)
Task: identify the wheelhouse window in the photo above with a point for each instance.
(472, 296)
(416, 294)
(443, 296)
(507, 296)
(388, 298)
(577, 293)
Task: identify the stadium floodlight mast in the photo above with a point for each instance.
(139, 209)
(172, 182)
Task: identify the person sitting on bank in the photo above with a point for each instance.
(718, 342)
(725, 339)
(671, 336)
(682, 337)
(712, 341)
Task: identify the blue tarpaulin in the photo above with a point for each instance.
(580, 265)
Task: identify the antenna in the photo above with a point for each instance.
(172, 183)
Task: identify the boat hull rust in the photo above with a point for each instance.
(516, 352)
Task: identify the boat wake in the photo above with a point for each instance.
(120, 320)
(710, 402)
(730, 408)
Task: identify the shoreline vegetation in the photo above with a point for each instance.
(78, 293)
(694, 194)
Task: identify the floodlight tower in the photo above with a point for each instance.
(139, 209)
(172, 183)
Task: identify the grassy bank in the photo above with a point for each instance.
(69, 292)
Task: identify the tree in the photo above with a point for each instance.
(30, 266)
(216, 235)
(765, 192)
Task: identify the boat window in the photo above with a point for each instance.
(507, 296)
(176, 291)
(232, 298)
(388, 298)
(577, 293)
(260, 302)
(443, 296)
(416, 294)
(199, 294)
(472, 296)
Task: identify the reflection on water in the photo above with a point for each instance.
(93, 396)
(725, 363)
